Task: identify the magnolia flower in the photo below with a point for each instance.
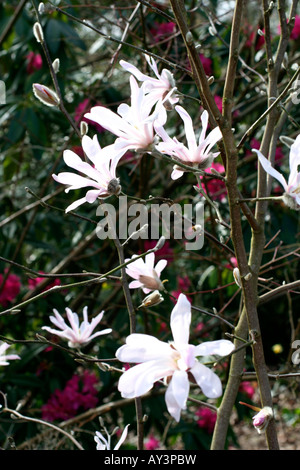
(104, 444)
(5, 358)
(195, 155)
(101, 176)
(175, 362)
(78, 334)
(133, 124)
(145, 274)
(156, 88)
(292, 187)
(45, 95)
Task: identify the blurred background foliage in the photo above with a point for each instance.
(42, 238)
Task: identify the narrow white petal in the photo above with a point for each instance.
(221, 347)
(207, 380)
(177, 394)
(269, 169)
(180, 320)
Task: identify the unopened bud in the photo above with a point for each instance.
(160, 243)
(261, 420)
(189, 38)
(56, 65)
(45, 95)
(41, 8)
(237, 277)
(83, 128)
(38, 32)
(152, 299)
(211, 80)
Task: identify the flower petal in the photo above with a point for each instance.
(221, 347)
(269, 169)
(181, 320)
(177, 393)
(207, 380)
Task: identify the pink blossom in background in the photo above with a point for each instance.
(34, 62)
(207, 64)
(33, 283)
(216, 188)
(85, 107)
(10, 290)
(152, 443)
(161, 31)
(207, 419)
(295, 34)
(80, 392)
(183, 285)
(279, 155)
(164, 252)
(247, 388)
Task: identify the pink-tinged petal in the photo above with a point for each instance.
(149, 260)
(180, 320)
(75, 204)
(122, 438)
(93, 194)
(207, 380)
(139, 379)
(73, 181)
(295, 155)
(177, 394)
(135, 284)
(73, 161)
(141, 348)
(204, 121)
(160, 266)
(91, 147)
(221, 347)
(134, 70)
(188, 126)
(176, 174)
(269, 169)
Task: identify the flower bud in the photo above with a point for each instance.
(56, 65)
(152, 299)
(261, 420)
(45, 95)
(237, 276)
(38, 32)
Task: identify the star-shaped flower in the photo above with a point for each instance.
(197, 155)
(101, 176)
(175, 362)
(292, 186)
(132, 124)
(4, 358)
(146, 275)
(77, 334)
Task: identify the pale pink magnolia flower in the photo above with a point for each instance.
(196, 155)
(101, 176)
(146, 275)
(291, 187)
(4, 358)
(156, 89)
(105, 444)
(77, 333)
(174, 362)
(133, 124)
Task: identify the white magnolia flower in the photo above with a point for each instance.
(78, 333)
(175, 362)
(157, 89)
(101, 176)
(4, 358)
(133, 124)
(197, 155)
(292, 186)
(146, 275)
(104, 444)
